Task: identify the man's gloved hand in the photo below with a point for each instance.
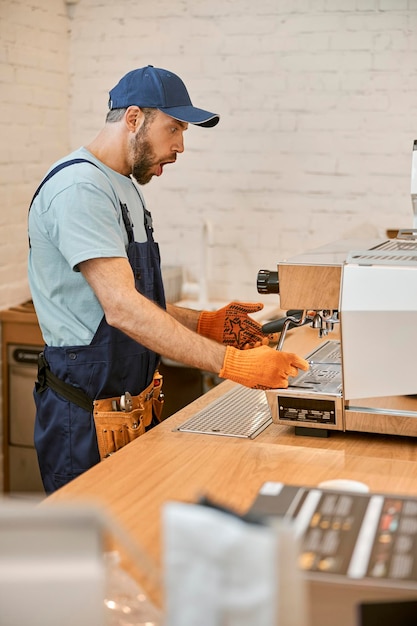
(261, 368)
(232, 325)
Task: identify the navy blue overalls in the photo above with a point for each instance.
(113, 363)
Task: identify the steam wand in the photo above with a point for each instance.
(291, 321)
(322, 320)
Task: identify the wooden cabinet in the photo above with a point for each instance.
(21, 340)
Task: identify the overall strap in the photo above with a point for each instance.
(57, 169)
(147, 218)
(125, 213)
(127, 222)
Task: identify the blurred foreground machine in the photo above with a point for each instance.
(366, 380)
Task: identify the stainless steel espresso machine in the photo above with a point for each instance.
(364, 295)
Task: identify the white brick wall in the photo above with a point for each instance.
(318, 102)
(33, 123)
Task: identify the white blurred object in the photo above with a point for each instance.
(198, 290)
(51, 566)
(52, 570)
(414, 183)
(173, 280)
(190, 290)
(125, 601)
(220, 569)
(203, 295)
(344, 484)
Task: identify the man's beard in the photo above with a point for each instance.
(144, 157)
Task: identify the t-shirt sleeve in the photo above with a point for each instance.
(86, 223)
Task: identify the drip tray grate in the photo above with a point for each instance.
(241, 412)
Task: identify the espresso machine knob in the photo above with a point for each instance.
(267, 282)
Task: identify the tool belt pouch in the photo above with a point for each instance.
(116, 429)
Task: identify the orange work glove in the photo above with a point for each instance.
(261, 368)
(232, 325)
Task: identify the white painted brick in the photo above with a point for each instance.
(358, 40)
(393, 5)
(317, 103)
(380, 21)
(33, 42)
(367, 5)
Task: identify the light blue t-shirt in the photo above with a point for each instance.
(76, 217)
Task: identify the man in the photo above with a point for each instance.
(94, 273)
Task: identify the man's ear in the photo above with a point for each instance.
(134, 118)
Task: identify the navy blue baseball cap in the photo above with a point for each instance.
(159, 89)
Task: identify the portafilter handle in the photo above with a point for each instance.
(275, 326)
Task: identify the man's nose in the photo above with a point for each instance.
(179, 144)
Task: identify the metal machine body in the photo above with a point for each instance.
(366, 380)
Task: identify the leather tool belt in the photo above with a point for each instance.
(115, 426)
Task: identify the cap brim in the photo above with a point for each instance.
(192, 115)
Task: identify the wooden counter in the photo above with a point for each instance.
(165, 464)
